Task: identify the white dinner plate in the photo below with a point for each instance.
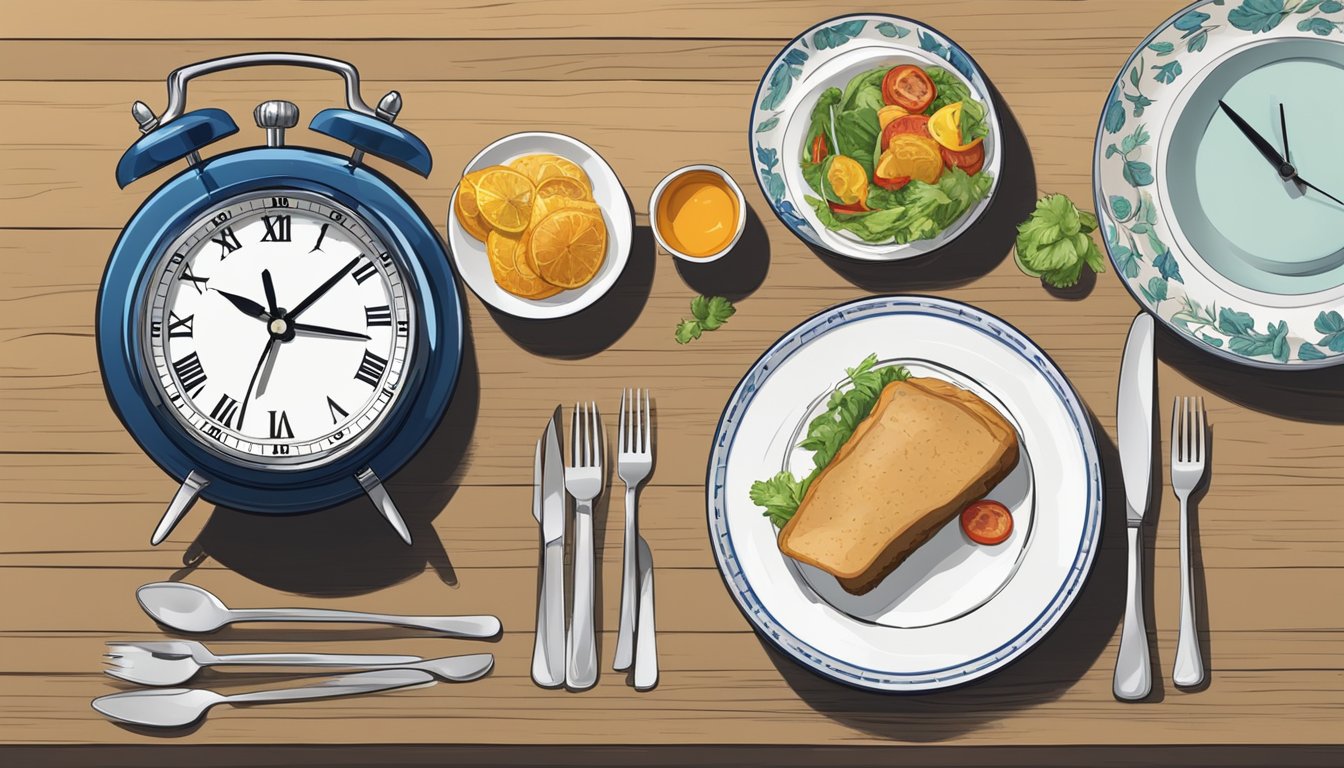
(954, 611)
(1202, 230)
(830, 54)
(469, 255)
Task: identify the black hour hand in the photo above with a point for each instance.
(320, 330)
(244, 305)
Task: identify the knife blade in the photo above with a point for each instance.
(1134, 417)
(548, 506)
(1134, 425)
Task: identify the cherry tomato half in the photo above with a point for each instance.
(969, 160)
(908, 87)
(916, 124)
(893, 184)
(819, 148)
(855, 208)
(987, 522)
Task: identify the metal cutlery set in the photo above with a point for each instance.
(187, 608)
(567, 655)
(1189, 451)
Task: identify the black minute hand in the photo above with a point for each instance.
(325, 331)
(321, 289)
(1271, 154)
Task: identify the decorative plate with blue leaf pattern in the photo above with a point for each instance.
(1219, 240)
(829, 54)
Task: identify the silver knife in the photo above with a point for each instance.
(646, 641)
(1134, 423)
(548, 506)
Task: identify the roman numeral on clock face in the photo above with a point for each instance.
(335, 408)
(371, 369)
(179, 327)
(365, 271)
(196, 282)
(321, 235)
(225, 410)
(190, 374)
(377, 316)
(280, 426)
(228, 242)
(277, 229)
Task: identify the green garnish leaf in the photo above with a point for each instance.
(687, 331)
(848, 405)
(1055, 242)
(708, 313)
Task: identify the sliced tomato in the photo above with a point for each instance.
(916, 124)
(969, 160)
(892, 184)
(987, 522)
(908, 87)
(855, 208)
(819, 148)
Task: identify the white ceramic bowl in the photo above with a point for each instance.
(468, 253)
(738, 227)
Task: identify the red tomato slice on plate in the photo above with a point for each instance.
(916, 124)
(908, 87)
(987, 522)
(970, 160)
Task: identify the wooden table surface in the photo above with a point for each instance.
(652, 86)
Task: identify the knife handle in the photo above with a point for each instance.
(581, 669)
(548, 656)
(1133, 674)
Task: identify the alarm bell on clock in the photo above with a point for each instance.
(278, 327)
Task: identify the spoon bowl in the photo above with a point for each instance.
(183, 607)
(158, 707)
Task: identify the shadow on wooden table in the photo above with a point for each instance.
(350, 549)
(1042, 675)
(1315, 396)
(598, 326)
(738, 274)
(977, 250)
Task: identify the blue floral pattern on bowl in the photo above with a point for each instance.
(1138, 238)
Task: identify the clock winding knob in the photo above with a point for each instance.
(389, 106)
(275, 116)
(144, 117)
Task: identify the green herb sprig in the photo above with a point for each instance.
(848, 405)
(708, 313)
(1055, 242)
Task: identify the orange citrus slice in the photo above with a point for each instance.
(502, 251)
(563, 186)
(568, 247)
(540, 167)
(918, 157)
(472, 223)
(505, 197)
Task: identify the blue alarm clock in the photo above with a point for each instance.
(278, 327)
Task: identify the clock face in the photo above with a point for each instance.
(296, 377)
(1261, 230)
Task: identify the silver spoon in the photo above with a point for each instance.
(174, 662)
(189, 608)
(170, 707)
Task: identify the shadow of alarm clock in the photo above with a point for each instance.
(278, 326)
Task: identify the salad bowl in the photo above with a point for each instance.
(834, 54)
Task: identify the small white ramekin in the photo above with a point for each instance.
(657, 195)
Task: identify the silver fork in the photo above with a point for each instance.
(634, 461)
(1187, 469)
(176, 661)
(583, 481)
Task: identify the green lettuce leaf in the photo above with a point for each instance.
(950, 89)
(1055, 242)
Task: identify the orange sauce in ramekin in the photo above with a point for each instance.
(697, 214)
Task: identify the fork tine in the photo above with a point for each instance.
(622, 444)
(595, 437)
(1201, 419)
(647, 447)
(1175, 430)
(574, 437)
(1185, 429)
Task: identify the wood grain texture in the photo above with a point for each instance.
(652, 86)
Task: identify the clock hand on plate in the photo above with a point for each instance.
(245, 305)
(1281, 166)
(323, 330)
(1283, 126)
(321, 289)
(1309, 185)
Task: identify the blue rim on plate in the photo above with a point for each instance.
(1153, 267)
(767, 625)
(787, 67)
